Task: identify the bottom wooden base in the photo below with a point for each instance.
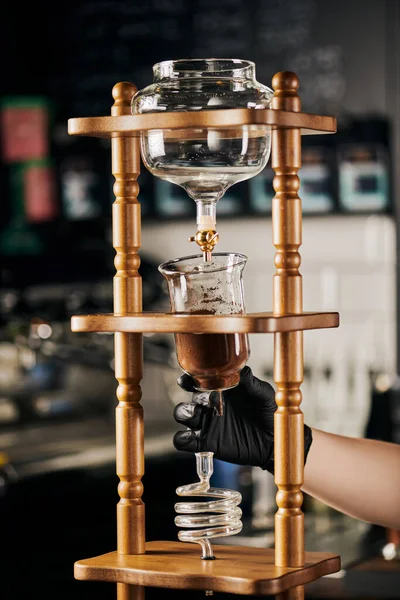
(236, 570)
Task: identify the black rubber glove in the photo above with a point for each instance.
(244, 434)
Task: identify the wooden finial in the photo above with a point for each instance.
(286, 84)
(122, 93)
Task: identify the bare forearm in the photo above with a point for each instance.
(358, 477)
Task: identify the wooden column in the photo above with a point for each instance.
(288, 347)
(128, 346)
(138, 592)
(295, 593)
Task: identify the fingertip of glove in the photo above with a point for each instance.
(245, 374)
(185, 440)
(186, 382)
(183, 411)
(248, 380)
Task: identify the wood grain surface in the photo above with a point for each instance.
(125, 155)
(237, 569)
(129, 124)
(288, 345)
(183, 323)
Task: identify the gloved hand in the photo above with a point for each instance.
(244, 434)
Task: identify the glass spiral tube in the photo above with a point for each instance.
(214, 518)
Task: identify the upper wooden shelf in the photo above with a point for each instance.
(128, 125)
(186, 323)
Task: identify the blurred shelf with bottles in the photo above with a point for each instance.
(57, 190)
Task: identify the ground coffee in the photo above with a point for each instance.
(214, 360)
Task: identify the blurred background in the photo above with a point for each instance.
(58, 487)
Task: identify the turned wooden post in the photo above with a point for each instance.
(128, 346)
(138, 592)
(288, 347)
(295, 593)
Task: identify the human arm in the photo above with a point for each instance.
(356, 476)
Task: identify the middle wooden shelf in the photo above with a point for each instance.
(147, 322)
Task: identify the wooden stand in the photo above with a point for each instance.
(173, 564)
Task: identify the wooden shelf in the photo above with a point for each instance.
(186, 323)
(128, 125)
(236, 570)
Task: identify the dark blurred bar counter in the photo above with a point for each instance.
(58, 497)
(40, 450)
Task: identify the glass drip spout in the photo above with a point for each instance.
(206, 236)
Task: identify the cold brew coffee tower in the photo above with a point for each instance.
(241, 126)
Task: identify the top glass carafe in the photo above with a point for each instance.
(204, 161)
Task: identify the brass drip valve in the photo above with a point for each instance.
(206, 239)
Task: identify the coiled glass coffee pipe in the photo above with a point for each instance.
(214, 518)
